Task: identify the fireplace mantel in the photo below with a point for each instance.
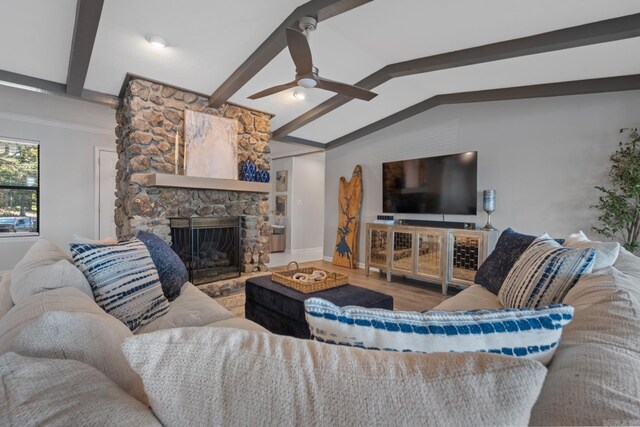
(201, 183)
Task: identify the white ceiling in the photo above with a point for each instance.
(209, 39)
(35, 37)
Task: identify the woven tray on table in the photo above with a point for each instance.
(285, 278)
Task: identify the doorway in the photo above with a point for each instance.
(105, 192)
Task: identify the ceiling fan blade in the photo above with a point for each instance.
(345, 89)
(300, 51)
(272, 90)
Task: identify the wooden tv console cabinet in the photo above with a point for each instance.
(438, 255)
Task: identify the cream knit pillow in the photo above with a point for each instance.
(219, 376)
(94, 339)
(38, 392)
(21, 314)
(43, 268)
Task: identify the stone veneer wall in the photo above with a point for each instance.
(147, 123)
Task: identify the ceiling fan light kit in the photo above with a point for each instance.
(306, 73)
(299, 94)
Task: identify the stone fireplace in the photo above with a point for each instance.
(147, 122)
(209, 247)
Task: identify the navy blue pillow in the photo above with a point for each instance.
(173, 274)
(496, 267)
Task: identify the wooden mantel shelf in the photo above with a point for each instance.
(201, 183)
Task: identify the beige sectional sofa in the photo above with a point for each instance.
(594, 378)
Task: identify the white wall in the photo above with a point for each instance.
(305, 200)
(542, 156)
(68, 130)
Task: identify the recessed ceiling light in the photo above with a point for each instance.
(156, 41)
(299, 94)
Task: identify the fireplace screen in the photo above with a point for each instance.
(209, 247)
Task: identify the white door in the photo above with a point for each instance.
(106, 186)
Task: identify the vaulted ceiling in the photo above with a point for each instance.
(43, 43)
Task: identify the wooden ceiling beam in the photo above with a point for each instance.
(300, 141)
(276, 42)
(582, 35)
(47, 86)
(575, 87)
(84, 35)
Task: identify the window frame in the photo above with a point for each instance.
(35, 233)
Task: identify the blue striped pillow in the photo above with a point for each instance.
(124, 280)
(544, 273)
(529, 333)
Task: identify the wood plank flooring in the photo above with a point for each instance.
(406, 295)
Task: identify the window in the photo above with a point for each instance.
(19, 188)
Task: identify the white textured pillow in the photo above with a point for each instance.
(606, 252)
(62, 299)
(45, 267)
(544, 273)
(38, 392)
(528, 333)
(219, 376)
(94, 339)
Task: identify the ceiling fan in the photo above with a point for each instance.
(306, 73)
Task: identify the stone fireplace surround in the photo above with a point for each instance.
(147, 122)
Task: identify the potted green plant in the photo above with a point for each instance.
(620, 204)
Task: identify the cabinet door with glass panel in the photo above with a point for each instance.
(402, 259)
(431, 254)
(377, 247)
(466, 252)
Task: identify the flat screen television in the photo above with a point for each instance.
(432, 185)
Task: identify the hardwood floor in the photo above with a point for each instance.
(406, 295)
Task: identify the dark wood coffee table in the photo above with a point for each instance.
(281, 309)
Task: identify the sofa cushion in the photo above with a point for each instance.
(45, 267)
(94, 339)
(6, 302)
(218, 376)
(544, 273)
(192, 308)
(171, 270)
(61, 299)
(475, 297)
(593, 378)
(124, 280)
(527, 333)
(52, 392)
(606, 252)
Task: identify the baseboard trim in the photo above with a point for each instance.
(306, 251)
(360, 264)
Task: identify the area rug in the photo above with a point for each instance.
(233, 302)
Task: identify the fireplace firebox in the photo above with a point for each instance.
(209, 247)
